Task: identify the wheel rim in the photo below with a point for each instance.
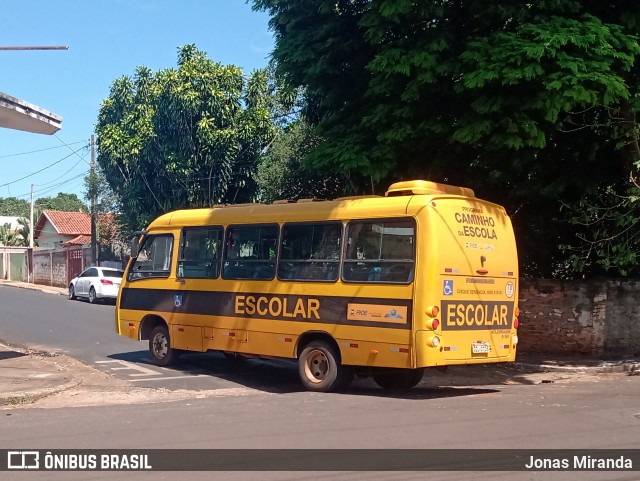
(316, 366)
(160, 346)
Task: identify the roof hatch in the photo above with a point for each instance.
(425, 187)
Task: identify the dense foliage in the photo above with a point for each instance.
(185, 137)
(283, 173)
(533, 104)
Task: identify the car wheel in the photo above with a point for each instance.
(72, 292)
(162, 354)
(92, 296)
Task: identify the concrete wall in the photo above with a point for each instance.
(593, 317)
(51, 267)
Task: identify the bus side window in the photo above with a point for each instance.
(200, 253)
(250, 252)
(380, 251)
(310, 252)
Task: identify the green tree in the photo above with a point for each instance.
(7, 236)
(283, 173)
(12, 206)
(62, 202)
(185, 137)
(23, 232)
(534, 104)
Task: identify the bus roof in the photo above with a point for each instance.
(395, 202)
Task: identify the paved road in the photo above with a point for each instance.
(603, 414)
(270, 410)
(87, 333)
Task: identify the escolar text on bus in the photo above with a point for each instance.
(278, 306)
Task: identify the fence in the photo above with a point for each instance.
(57, 267)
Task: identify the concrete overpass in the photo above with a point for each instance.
(20, 115)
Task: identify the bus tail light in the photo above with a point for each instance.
(435, 324)
(516, 323)
(515, 340)
(435, 341)
(432, 311)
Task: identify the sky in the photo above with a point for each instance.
(107, 39)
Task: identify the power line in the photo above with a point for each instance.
(41, 150)
(53, 187)
(56, 136)
(41, 170)
(60, 177)
(38, 47)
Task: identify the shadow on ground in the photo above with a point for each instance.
(280, 376)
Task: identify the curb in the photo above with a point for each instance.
(34, 287)
(630, 367)
(25, 398)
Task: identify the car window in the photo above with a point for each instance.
(112, 273)
(91, 272)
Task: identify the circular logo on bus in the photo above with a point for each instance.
(509, 289)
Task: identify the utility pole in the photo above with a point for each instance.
(31, 221)
(94, 205)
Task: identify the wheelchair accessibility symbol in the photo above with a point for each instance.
(447, 287)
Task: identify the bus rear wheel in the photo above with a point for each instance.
(320, 369)
(398, 378)
(162, 354)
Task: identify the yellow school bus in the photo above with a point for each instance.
(424, 276)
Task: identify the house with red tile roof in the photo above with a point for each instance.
(66, 229)
(59, 229)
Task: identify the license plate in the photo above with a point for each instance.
(480, 348)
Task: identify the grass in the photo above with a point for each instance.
(20, 400)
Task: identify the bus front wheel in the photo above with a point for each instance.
(320, 369)
(162, 354)
(398, 378)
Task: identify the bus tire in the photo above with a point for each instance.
(398, 378)
(162, 354)
(320, 369)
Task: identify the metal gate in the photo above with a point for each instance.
(18, 266)
(74, 263)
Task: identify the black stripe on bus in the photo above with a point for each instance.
(304, 308)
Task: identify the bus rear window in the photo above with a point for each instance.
(380, 251)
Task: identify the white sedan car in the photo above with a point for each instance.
(96, 283)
